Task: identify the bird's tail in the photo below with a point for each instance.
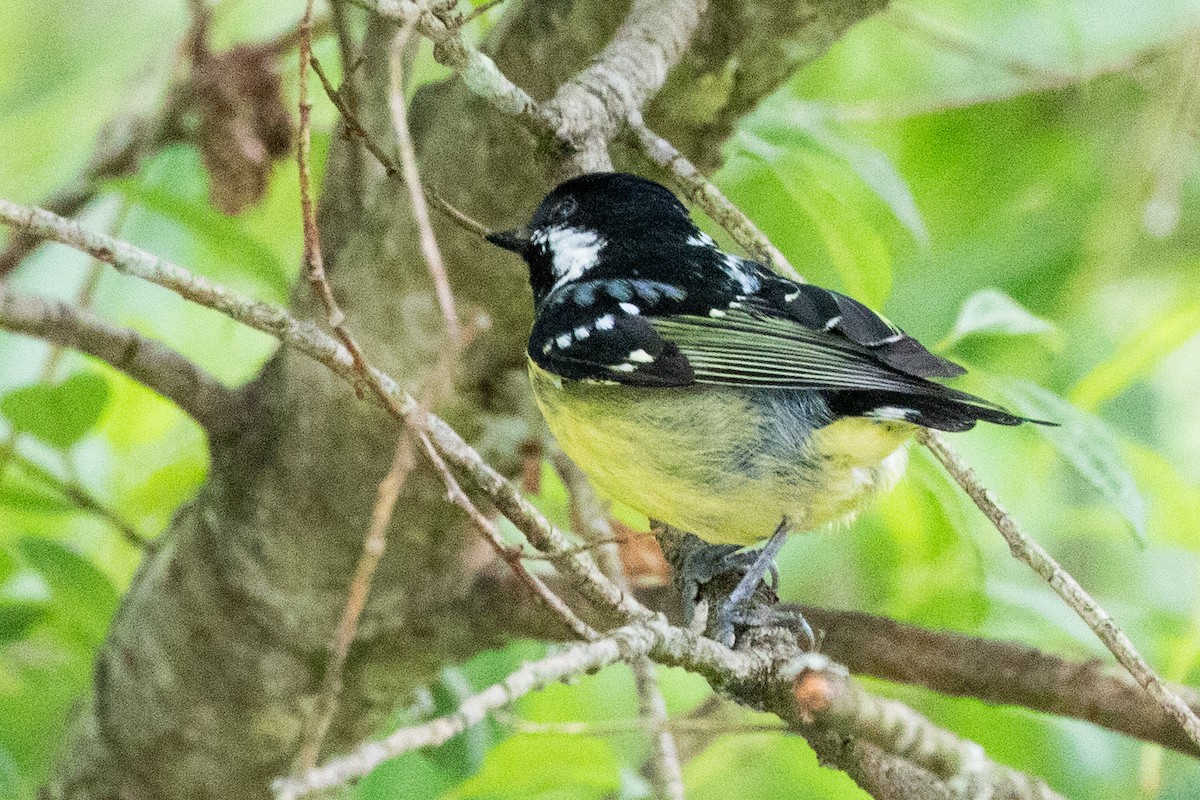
(957, 412)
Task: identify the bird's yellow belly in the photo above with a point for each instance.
(703, 460)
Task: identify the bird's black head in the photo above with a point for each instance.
(613, 220)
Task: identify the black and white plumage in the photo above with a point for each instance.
(629, 291)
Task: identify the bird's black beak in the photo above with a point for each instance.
(516, 240)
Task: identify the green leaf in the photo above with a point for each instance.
(17, 616)
(992, 312)
(58, 414)
(82, 597)
(20, 494)
(780, 121)
(226, 236)
(1137, 356)
(1087, 443)
(544, 767)
(859, 254)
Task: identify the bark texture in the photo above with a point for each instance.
(202, 686)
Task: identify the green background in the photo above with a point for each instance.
(1013, 182)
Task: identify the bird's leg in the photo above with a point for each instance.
(696, 563)
(738, 607)
(708, 569)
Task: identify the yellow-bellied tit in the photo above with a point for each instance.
(708, 392)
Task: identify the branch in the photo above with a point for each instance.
(306, 338)
(412, 180)
(1025, 549)
(826, 697)
(218, 410)
(707, 196)
(998, 672)
(590, 109)
(811, 693)
(750, 676)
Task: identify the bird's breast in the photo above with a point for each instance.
(725, 463)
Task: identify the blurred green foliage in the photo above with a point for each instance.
(1015, 180)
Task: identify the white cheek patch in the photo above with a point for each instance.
(573, 251)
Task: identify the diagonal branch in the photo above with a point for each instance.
(903, 749)
(312, 342)
(998, 672)
(589, 110)
(752, 676)
(218, 410)
(1025, 549)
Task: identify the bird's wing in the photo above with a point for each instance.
(612, 346)
(845, 318)
(808, 339)
(746, 348)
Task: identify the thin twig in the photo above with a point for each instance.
(464, 221)
(351, 121)
(76, 494)
(511, 555)
(312, 236)
(589, 518)
(412, 179)
(217, 409)
(701, 191)
(355, 128)
(356, 600)
(1025, 549)
(663, 769)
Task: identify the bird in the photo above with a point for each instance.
(710, 393)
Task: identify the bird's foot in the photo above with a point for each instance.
(727, 585)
